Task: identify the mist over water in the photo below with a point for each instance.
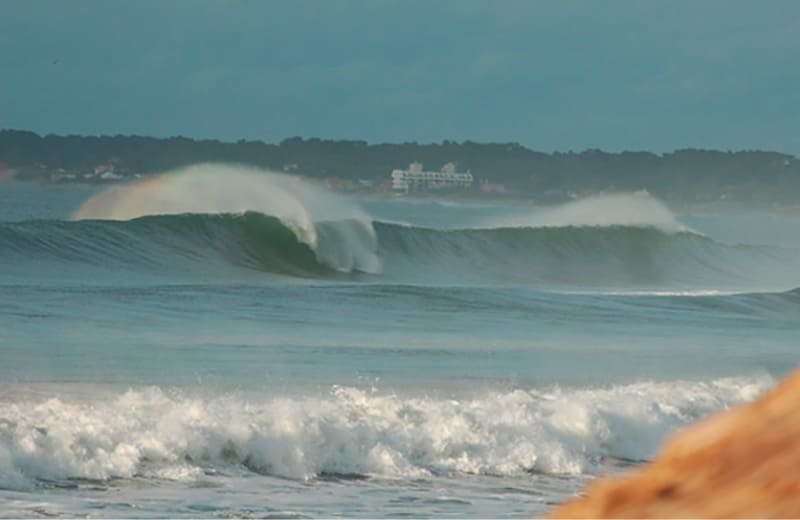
(222, 340)
(637, 209)
(215, 221)
(216, 189)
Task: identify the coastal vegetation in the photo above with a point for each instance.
(688, 175)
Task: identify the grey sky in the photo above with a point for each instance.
(551, 75)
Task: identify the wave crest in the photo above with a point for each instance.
(212, 245)
(637, 209)
(191, 220)
(353, 431)
(313, 215)
(588, 256)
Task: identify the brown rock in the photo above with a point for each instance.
(741, 463)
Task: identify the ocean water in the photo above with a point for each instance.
(226, 342)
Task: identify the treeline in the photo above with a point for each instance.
(683, 174)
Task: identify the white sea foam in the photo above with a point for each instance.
(152, 432)
(662, 293)
(220, 188)
(638, 209)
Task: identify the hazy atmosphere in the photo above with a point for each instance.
(384, 259)
(636, 75)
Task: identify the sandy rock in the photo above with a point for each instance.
(741, 463)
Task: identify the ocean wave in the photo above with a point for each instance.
(637, 209)
(592, 256)
(273, 207)
(170, 243)
(589, 256)
(206, 218)
(153, 432)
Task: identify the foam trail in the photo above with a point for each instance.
(219, 188)
(638, 209)
(352, 431)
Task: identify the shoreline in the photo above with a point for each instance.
(726, 208)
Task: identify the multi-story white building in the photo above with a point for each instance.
(416, 179)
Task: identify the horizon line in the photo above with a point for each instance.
(396, 143)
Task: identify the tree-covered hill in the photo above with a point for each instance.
(691, 175)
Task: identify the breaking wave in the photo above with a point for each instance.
(637, 209)
(200, 243)
(213, 219)
(351, 431)
(338, 234)
(182, 220)
(212, 245)
(206, 243)
(589, 256)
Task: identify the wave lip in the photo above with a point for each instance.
(611, 258)
(208, 218)
(352, 431)
(196, 243)
(339, 234)
(637, 209)
(586, 256)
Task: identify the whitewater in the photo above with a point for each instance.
(226, 341)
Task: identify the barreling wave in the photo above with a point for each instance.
(196, 242)
(204, 220)
(213, 245)
(351, 431)
(208, 218)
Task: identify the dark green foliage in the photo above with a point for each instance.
(691, 175)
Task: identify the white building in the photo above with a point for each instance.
(416, 179)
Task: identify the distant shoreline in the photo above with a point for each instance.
(678, 207)
(706, 180)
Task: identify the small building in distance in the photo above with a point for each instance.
(417, 179)
(492, 187)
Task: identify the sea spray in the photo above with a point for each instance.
(221, 246)
(225, 222)
(636, 209)
(352, 431)
(230, 189)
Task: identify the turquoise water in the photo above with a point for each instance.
(257, 347)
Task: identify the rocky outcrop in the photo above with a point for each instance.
(741, 463)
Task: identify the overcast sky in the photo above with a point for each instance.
(550, 75)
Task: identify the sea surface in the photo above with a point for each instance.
(226, 342)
